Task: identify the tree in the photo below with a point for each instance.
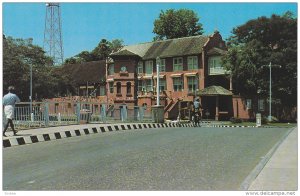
(251, 49)
(177, 23)
(100, 52)
(18, 56)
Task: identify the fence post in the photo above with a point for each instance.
(122, 112)
(32, 117)
(59, 118)
(78, 112)
(46, 114)
(141, 112)
(103, 112)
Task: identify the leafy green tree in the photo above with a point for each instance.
(254, 46)
(102, 50)
(177, 23)
(18, 56)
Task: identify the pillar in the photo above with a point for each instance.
(217, 108)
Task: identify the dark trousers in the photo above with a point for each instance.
(9, 122)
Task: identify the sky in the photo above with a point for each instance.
(85, 24)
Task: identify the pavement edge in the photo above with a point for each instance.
(260, 166)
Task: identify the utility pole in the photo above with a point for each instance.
(157, 80)
(270, 91)
(52, 35)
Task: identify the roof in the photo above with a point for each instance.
(123, 53)
(216, 51)
(81, 73)
(214, 91)
(166, 48)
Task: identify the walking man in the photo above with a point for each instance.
(9, 101)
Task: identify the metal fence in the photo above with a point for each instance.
(45, 114)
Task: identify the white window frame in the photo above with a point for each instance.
(192, 62)
(178, 83)
(111, 69)
(141, 85)
(177, 65)
(149, 85)
(249, 103)
(149, 67)
(215, 66)
(140, 68)
(162, 67)
(102, 90)
(111, 87)
(162, 83)
(194, 83)
(261, 104)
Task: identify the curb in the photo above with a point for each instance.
(85, 131)
(260, 166)
(101, 129)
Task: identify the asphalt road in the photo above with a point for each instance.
(150, 159)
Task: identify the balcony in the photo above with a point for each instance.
(216, 71)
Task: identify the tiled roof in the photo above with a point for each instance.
(216, 51)
(213, 91)
(123, 53)
(167, 48)
(92, 72)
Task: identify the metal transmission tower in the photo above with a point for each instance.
(52, 36)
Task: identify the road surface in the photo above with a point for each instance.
(149, 159)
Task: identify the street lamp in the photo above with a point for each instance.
(270, 90)
(157, 82)
(27, 62)
(30, 97)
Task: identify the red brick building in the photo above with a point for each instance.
(187, 65)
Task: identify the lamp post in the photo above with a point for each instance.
(157, 80)
(270, 91)
(30, 97)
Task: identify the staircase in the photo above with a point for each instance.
(171, 110)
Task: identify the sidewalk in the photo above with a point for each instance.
(281, 171)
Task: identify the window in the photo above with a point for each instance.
(102, 90)
(128, 88)
(177, 84)
(261, 105)
(249, 103)
(141, 86)
(192, 62)
(118, 87)
(192, 83)
(149, 85)
(177, 64)
(162, 67)
(149, 67)
(111, 69)
(215, 66)
(162, 85)
(140, 67)
(111, 87)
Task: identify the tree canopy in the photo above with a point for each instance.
(100, 52)
(18, 56)
(177, 23)
(256, 44)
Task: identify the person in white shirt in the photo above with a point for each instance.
(9, 101)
